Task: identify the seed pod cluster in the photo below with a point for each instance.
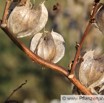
(25, 20)
(49, 46)
(91, 72)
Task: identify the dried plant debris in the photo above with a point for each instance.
(49, 46)
(25, 20)
(91, 72)
(99, 18)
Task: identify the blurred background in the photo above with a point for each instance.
(46, 85)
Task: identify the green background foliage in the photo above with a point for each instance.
(45, 84)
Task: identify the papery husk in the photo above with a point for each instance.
(91, 69)
(60, 46)
(25, 20)
(55, 45)
(99, 18)
(44, 46)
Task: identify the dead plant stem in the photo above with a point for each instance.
(83, 38)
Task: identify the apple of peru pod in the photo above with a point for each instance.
(91, 72)
(25, 20)
(99, 18)
(49, 46)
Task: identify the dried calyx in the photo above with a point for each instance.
(25, 20)
(99, 17)
(91, 72)
(49, 46)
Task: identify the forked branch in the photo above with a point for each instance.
(43, 62)
(95, 4)
(49, 64)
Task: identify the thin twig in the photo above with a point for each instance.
(83, 38)
(15, 91)
(5, 12)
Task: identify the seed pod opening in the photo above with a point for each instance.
(25, 20)
(49, 46)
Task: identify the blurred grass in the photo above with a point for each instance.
(45, 85)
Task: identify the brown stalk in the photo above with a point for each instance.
(83, 38)
(5, 11)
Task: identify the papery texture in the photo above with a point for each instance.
(50, 46)
(25, 20)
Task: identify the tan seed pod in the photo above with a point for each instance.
(99, 17)
(49, 46)
(25, 20)
(91, 72)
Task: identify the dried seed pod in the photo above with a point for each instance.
(49, 46)
(25, 20)
(99, 18)
(91, 72)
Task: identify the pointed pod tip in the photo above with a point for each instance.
(43, 2)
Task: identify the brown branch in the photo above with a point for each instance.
(14, 92)
(5, 11)
(34, 57)
(43, 62)
(83, 38)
